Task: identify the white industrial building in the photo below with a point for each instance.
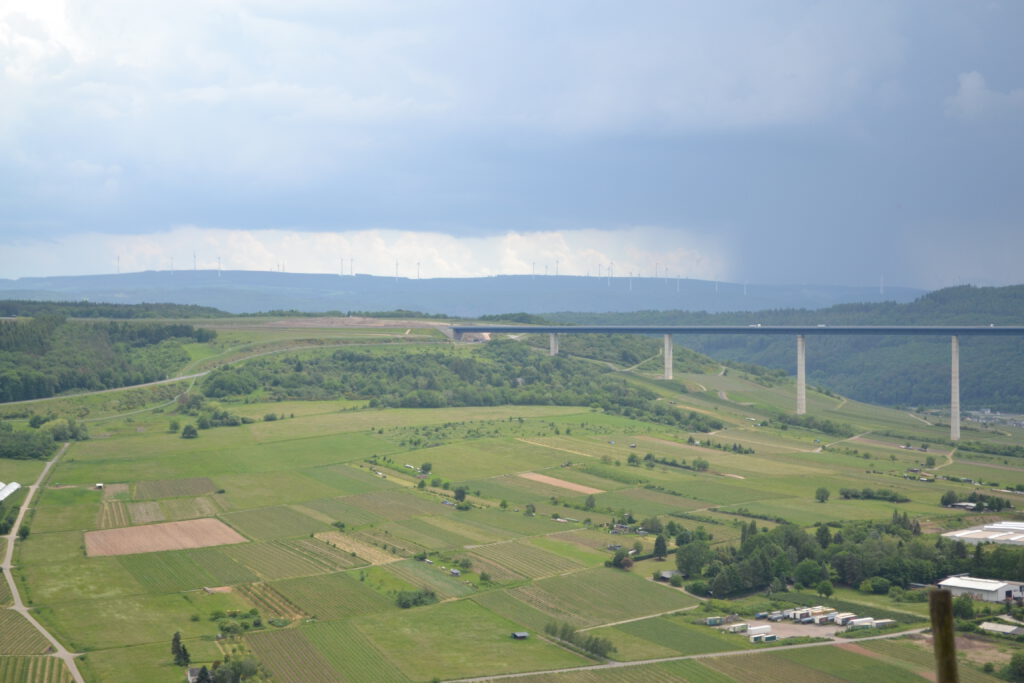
(1010, 533)
(990, 590)
(6, 490)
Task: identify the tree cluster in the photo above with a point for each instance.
(407, 599)
(982, 500)
(47, 355)
(498, 373)
(594, 645)
(872, 494)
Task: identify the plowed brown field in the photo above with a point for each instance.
(195, 533)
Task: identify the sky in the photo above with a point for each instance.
(782, 142)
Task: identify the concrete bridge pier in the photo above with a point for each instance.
(801, 375)
(668, 356)
(554, 344)
(954, 390)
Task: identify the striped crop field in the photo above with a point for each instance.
(167, 572)
(328, 557)
(496, 570)
(337, 510)
(224, 570)
(811, 664)
(380, 537)
(430, 576)
(666, 672)
(273, 522)
(351, 654)
(433, 536)
(449, 532)
(19, 636)
(395, 505)
(189, 508)
(37, 669)
(272, 560)
(5, 590)
(503, 604)
(290, 657)
(525, 559)
(362, 547)
(113, 514)
(270, 602)
(174, 488)
(684, 638)
(602, 595)
(332, 596)
(144, 513)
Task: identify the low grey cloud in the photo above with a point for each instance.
(806, 141)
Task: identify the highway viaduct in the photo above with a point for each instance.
(801, 332)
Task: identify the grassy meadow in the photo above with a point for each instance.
(338, 522)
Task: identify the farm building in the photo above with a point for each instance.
(668, 574)
(7, 490)
(989, 590)
(520, 635)
(1007, 533)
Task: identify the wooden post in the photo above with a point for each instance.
(941, 605)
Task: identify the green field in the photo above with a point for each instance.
(274, 522)
(289, 656)
(597, 596)
(337, 525)
(418, 642)
(20, 637)
(351, 655)
(33, 670)
(332, 596)
(814, 663)
(526, 559)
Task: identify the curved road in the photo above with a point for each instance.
(59, 650)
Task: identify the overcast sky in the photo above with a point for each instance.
(769, 142)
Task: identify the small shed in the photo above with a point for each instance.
(714, 621)
(99, 485)
(456, 572)
(520, 635)
(668, 574)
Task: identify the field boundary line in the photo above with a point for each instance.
(60, 652)
(554, 448)
(648, 616)
(660, 660)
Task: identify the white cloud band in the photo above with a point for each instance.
(637, 251)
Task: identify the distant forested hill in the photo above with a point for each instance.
(89, 309)
(886, 370)
(48, 354)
